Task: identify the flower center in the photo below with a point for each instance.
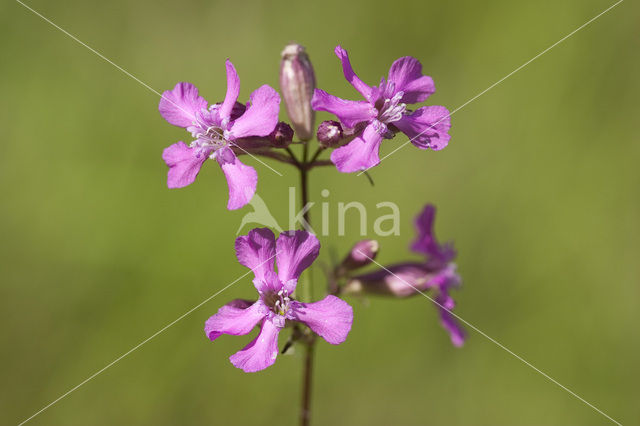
(279, 302)
(391, 109)
(209, 138)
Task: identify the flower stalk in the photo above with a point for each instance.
(307, 375)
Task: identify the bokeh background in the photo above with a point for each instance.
(538, 189)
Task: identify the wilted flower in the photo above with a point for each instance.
(215, 130)
(297, 82)
(437, 273)
(294, 251)
(384, 112)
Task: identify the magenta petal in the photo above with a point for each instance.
(261, 115)
(235, 320)
(241, 179)
(348, 112)
(330, 318)
(261, 352)
(240, 303)
(448, 321)
(427, 127)
(184, 164)
(444, 278)
(351, 76)
(361, 153)
(456, 332)
(406, 75)
(295, 252)
(233, 90)
(180, 105)
(257, 251)
(426, 242)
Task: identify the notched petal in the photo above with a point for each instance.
(241, 179)
(256, 251)
(350, 113)
(233, 90)
(261, 352)
(261, 116)
(184, 164)
(351, 76)
(180, 105)
(296, 251)
(361, 153)
(406, 76)
(330, 318)
(235, 318)
(427, 127)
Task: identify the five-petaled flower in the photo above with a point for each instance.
(293, 251)
(437, 273)
(216, 131)
(384, 113)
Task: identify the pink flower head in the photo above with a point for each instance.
(215, 129)
(384, 112)
(294, 251)
(437, 273)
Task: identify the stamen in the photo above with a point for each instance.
(209, 138)
(281, 307)
(392, 110)
(279, 303)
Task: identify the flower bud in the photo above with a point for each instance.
(282, 135)
(361, 254)
(329, 134)
(297, 82)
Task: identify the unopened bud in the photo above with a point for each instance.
(329, 133)
(282, 135)
(361, 254)
(297, 82)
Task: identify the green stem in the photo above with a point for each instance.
(294, 158)
(316, 155)
(305, 411)
(307, 376)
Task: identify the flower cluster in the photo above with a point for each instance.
(227, 130)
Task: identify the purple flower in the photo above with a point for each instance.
(294, 251)
(384, 112)
(439, 259)
(437, 273)
(215, 129)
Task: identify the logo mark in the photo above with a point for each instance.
(260, 215)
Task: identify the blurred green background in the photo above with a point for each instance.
(538, 189)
